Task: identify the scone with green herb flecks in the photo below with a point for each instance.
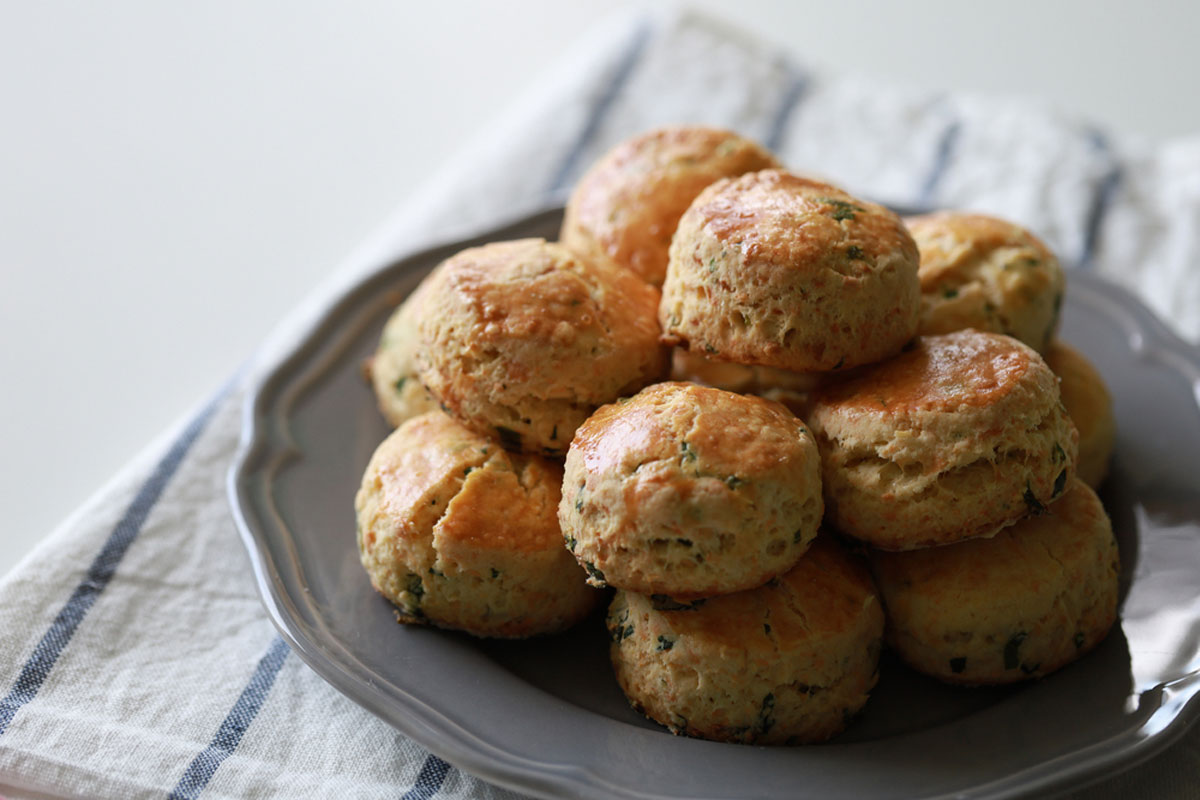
(525, 339)
(1020, 605)
(790, 662)
(955, 438)
(779, 270)
(989, 274)
(688, 491)
(393, 371)
(627, 206)
(459, 533)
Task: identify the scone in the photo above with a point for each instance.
(524, 339)
(627, 206)
(984, 273)
(687, 491)
(1090, 407)
(459, 533)
(787, 663)
(1019, 605)
(779, 270)
(955, 438)
(781, 385)
(392, 370)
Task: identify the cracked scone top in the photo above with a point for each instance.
(459, 533)
(627, 206)
(790, 662)
(687, 491)
(774, 269)
(985, 273)
(955, 438)
(1020, 605)
(522, 340)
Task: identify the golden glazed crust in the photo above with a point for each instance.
(457, 532)
(689, 491)
(783, 271)
(1020, 605)
(524, 339)
(955, 438)
(788, 663)
(1090, 407)
(985, 273)
(627, 206)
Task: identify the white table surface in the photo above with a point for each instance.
(174, 177)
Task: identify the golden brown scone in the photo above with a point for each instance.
(1090, 407)
(1019, 605)
(779, 270)
(985, 273)
(627, 206)
(393, 372)
(457, 532)
(788, 663)
(688, 491)
(524, 339)
(789, 388)
(955, 438)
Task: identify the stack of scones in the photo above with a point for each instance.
(784, 424)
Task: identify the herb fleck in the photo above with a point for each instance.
(841, 361)
(950, 294)
(570, 541)
(767, 628)
(495, 572)
(841, 209)
(509, 438)
(765, 720)
(688, 453)
(664, 643)
(733, 481)
(1079, 640)
(1012, 650)
(1035, 505)
(662, 602)
(854, 252)
(399, 384)
(1060, 483)
(594, 573)
(554, 434)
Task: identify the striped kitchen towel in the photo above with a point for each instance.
(135, 658)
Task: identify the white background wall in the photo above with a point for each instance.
(175, 176)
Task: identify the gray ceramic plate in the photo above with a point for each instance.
(546, 717)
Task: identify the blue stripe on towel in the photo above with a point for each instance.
(229, 735)
(947, 144)
(1101, 200)
(429, 781)
(37, 668)
(796, 89)
(600, 107)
